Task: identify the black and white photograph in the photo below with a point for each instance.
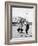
(22, 22)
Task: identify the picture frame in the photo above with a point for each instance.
(14, 7)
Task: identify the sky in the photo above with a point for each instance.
(26, 13)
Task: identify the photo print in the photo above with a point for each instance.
(22, 22)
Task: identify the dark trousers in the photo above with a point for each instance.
(27, 28)
(20, 30)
